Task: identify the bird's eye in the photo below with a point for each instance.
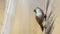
(35, 11)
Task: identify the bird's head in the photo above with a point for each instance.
(38, 12)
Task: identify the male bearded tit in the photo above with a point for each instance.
(39, 16)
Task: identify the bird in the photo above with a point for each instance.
(40, 16)
(48, 26)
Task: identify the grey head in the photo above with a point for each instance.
(39, 12)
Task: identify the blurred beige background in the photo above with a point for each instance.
(2, 6)
(24, 19)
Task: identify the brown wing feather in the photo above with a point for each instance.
(40, 21)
